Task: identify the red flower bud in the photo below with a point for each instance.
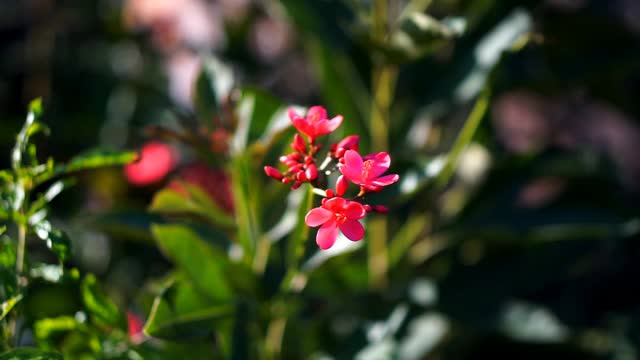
(348, 143)
(273, 172)
(298, 144)
(296, 185)
(295, 168)
(341, 185)
(300, 176)
(329, 193)
(311, 172)
(286, 180)
(367, 208)
(380, 209)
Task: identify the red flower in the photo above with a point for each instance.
(316, 123)
(155, 162)
(367, 171)
(336, 213)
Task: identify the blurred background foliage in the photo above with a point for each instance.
(514, 126)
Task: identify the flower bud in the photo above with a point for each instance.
(380, 209)
(349, 143)
(300, 176)
(329, 193)
(273, 172)
(311, 172)
(296, 185)
(298, 144)
(341, 185)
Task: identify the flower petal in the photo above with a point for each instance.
(353, 230)
(353, 210)
(317, 216)
(335, 204)
(326, 126)
(316, 113)
(353, 165)
(303, 126)
(327, 235)
(386, 180)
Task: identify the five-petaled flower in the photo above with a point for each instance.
(336, 213)
(367, 171)
(316, 123)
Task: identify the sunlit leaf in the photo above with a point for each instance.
(8, 304)
(91, 159)
(55, 239)
(30, 354)
(102, 310)
(30, 127)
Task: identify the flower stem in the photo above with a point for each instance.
(383, 79)
(20, 251)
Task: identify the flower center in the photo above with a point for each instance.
(367, 166)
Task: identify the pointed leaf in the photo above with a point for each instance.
(102, 310)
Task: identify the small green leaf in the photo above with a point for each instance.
(55, 239)
(102, 310)
(8, 304)
(3, 229)
(180, 312)
(30, 354)
(92, 159)
(194, 202)
(47, 327)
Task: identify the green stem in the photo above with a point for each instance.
(22, 241)
(383, 79)
(464, 138)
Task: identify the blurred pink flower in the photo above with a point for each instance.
(316, 122)
(214, 182)
(135, 326)
(367, 172)
(155, 161)
(336, 214)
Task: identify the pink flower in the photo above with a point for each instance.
(316, 123)
(367, 171)
(156, 160)
(336, 213)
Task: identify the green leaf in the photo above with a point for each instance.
(181, 312)
(102, 310)
(3, 229)
(212, 86)
(91, 159)
(8, 304)
(204, 266)
(55, 239)
(194, 202)
(30, 354)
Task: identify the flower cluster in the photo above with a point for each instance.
(336, 213)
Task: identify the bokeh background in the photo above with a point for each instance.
(532, 248)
